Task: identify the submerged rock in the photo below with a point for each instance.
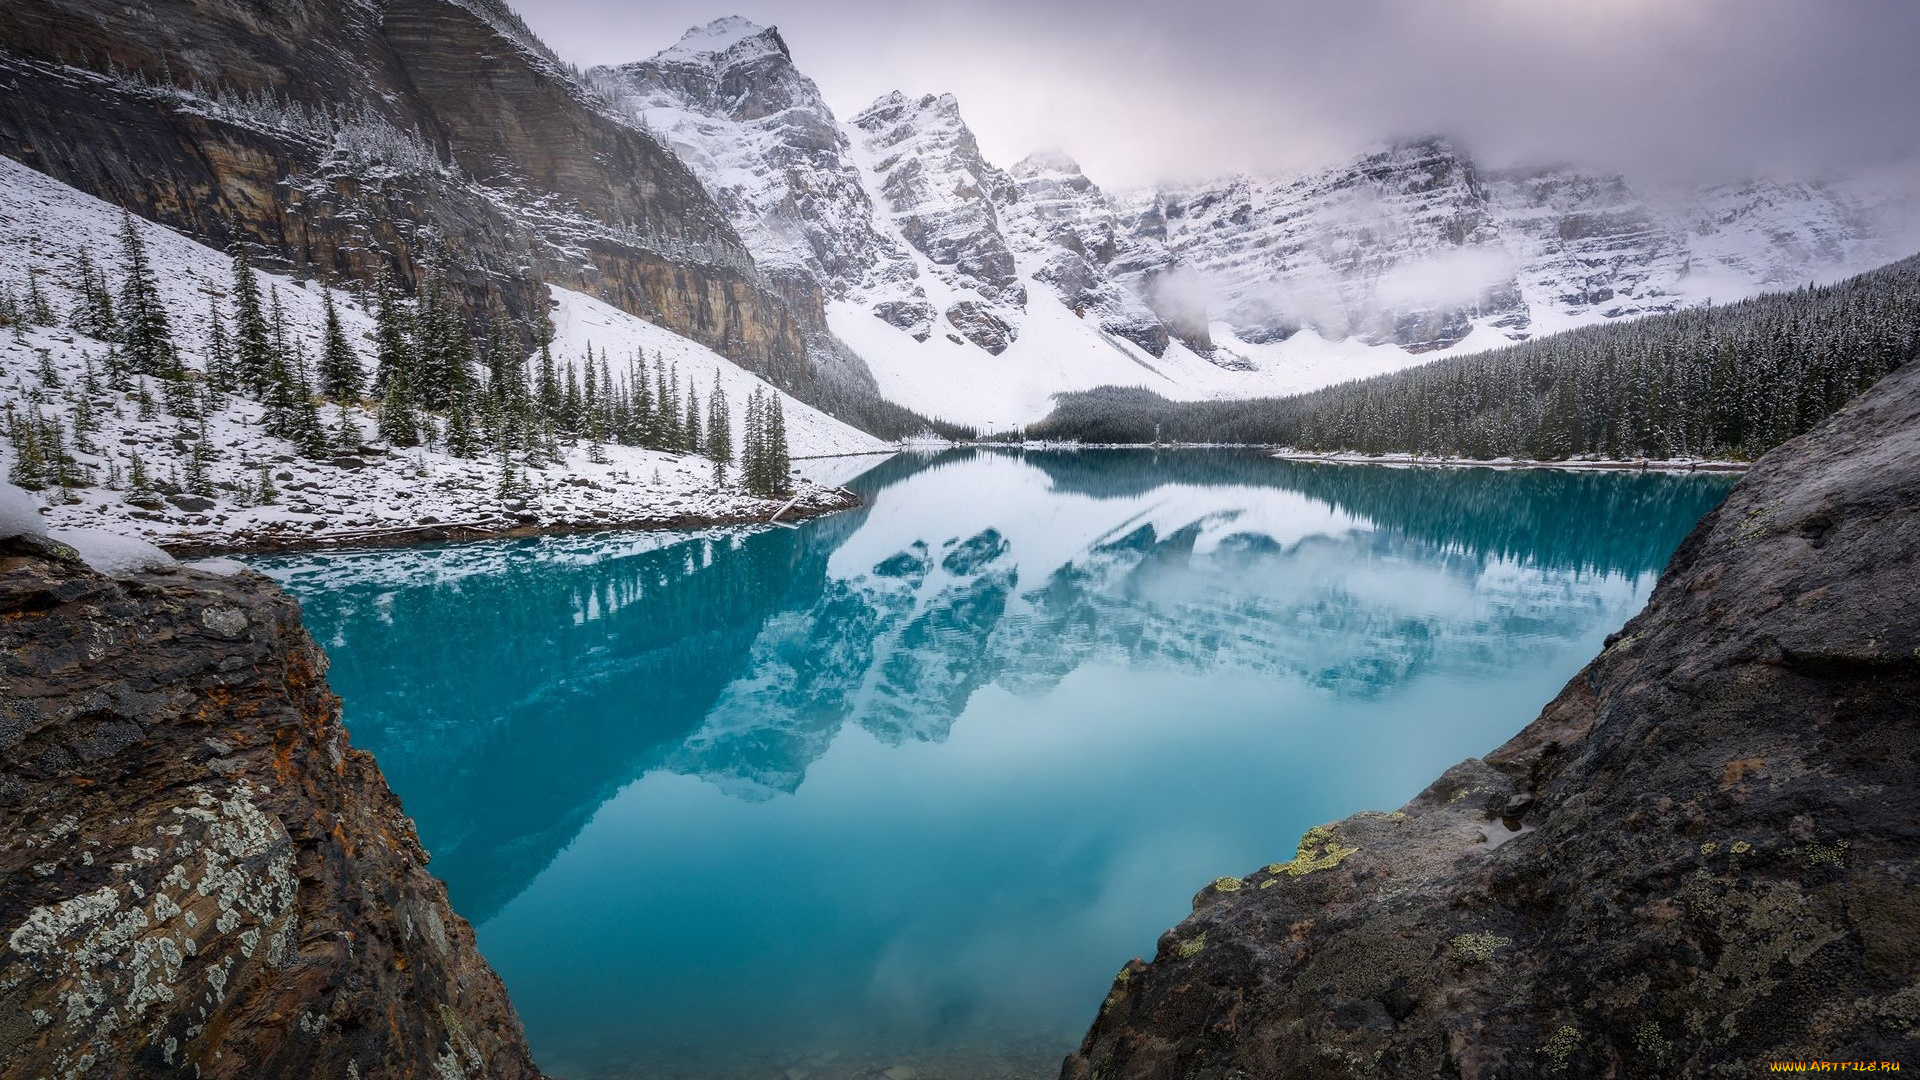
(1700, 858)
(199, 876)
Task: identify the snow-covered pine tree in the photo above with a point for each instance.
(392, 337)
(39, 312)
(93, 314)
(779, 464)
(144, 330)
(696, 444)
(399, 424)
(252, 341)
(340, 373)
(719, 432)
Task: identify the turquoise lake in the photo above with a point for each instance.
(903, 788)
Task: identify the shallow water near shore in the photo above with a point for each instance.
(898, 791)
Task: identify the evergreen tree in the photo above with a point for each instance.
(252, 344)
(340, 373)
(93, 315)
(719, 432)
(220, 362)
(779, 465)
(39, 312)
(399, 424)
(393, 347)
(139, 485)
(695, 444)
(461, 441)
(144, 330)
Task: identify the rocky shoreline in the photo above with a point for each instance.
(834, 501)
(199, 875)
(1701, 858)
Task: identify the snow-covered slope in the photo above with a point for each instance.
(47, 371)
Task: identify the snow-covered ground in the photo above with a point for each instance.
(1058, 352)
(45, 225)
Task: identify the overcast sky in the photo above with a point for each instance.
(1146, 90)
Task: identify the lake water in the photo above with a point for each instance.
(904, 787)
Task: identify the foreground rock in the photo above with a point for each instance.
(1699, 859)
(198, 875)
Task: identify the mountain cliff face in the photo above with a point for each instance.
(729, 100)
(1701, 857)
(201, 876)
(337, 135)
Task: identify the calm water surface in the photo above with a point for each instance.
(904, 787)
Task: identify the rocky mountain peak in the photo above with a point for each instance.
(731, 38)
(1045, 163)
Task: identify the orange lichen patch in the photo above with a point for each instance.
(1737, 770)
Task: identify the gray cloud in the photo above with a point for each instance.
(1141, 91)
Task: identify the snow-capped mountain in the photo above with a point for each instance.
(729, 101)
(975, 293)
(1414, 245)
(1398, 247)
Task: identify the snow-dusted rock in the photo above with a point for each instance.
(19, 514)
(111, 554)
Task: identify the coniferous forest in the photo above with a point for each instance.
(431, 380)
(1729, 381)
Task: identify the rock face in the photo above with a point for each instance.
(940, 195)
(198, 875)
(337, 135)
(1700, 858)
(1099, 269)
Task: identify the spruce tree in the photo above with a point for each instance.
(93, 315)
(252, 345)
(220, 373)
(39, 311)
(779, 465)
(719, 432)
(340, 373)
(144, 330)
(393, 348)
(399, 425)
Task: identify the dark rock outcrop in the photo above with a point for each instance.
(198, 875)
(1703, 856)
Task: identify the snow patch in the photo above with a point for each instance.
(19, 514)
(114, 555)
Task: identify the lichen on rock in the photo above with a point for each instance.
(202, 877)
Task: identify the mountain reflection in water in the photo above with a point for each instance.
(1083, 684)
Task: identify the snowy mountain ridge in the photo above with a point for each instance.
(950, 276)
